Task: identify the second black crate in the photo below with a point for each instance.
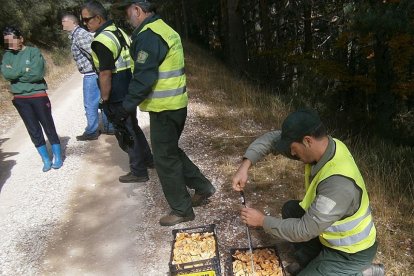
(244, 268)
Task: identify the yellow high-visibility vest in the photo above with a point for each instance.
(120, 53)
(169, 91)
(354, 233)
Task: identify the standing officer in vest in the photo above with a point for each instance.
(159, 87)
(332, 227)
(110, 53)
(82, 54)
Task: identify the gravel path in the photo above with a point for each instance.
(31, 202)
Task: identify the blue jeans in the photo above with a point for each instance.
(91, 96)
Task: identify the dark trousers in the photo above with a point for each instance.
(175, 170)
(321, 260)
(37, 114)
(131, 139)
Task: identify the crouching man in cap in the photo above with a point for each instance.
(158, 86)
(332, 228)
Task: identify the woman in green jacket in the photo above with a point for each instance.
(24, 67)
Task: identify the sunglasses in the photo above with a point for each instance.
(85, 20)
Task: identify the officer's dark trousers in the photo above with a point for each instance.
(321, 260)
(37, 114)
(138, 151)
(175, 170)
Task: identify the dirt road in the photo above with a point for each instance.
(78, 220)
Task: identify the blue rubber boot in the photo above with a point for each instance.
(47, 164)
(57, 156)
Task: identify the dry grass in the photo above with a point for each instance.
(59, 65)
(238, 112)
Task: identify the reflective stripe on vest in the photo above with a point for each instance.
(112, 37)
(109, 39)
(171, 74)
(353, 239)
(169, 91)
(354, 233)
(349, 225)
(166, 93)
(120, 63)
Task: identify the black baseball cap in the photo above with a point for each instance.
(125, 3)
(297, 125)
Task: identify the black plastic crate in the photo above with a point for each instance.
(273, 248)
(212, 269)
(207, 267)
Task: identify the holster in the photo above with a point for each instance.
(125, 140)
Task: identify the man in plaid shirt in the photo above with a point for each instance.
(81, 50)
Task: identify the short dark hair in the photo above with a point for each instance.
(319, 132)
(146, 6)
(96, 8)
(71, 17)
(12, 30)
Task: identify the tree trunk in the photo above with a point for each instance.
(185, 23)
(384, 102)
(236, 40)
(224, 28)
(270, 71)
(308, 47)
(264, 18)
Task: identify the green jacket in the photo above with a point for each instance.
(158, 81)
(169, 91)
(25, 70)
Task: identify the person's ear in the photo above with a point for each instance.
(306, 141)
(100, 19)
(138, 10)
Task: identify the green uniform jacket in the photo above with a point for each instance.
(25, 70)
(158, 56)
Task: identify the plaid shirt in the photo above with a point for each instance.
(81, 49)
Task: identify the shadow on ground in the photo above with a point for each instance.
(99, 233)
(5, 165)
